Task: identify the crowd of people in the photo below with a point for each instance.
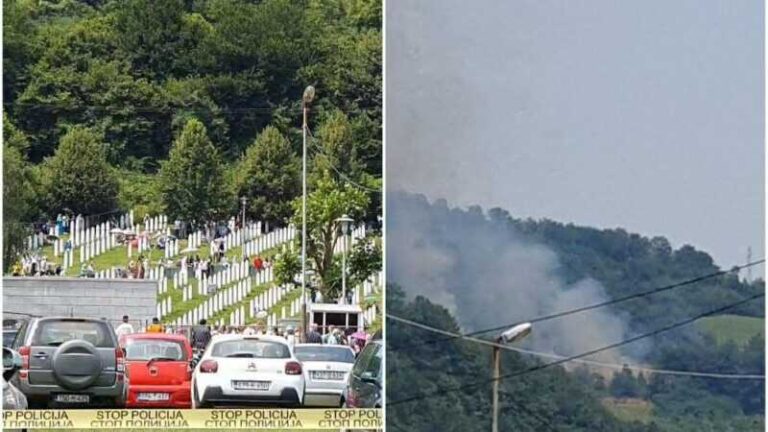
(35, 265)
(202, 333)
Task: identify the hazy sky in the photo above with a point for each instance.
(646, 115)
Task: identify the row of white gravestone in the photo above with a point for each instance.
(79, 234)
(255, 244)
(239, 236)
(356, 234)
(218, 302)
(95, 248)
(156, 223)
(171, 248)
(96, 237)
(180, 278)
(195, 240)
(164, 307)
(238, 316)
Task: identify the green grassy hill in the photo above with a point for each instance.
(736, 328)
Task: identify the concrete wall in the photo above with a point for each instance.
(80, 297)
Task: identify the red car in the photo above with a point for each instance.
(158, 369)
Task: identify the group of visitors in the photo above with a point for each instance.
(337, 336)
(35, 265)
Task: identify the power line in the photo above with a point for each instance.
(320, 150)
(521, 407)
(602, 304)
(156, 109)
(446, 390)
(582, 361)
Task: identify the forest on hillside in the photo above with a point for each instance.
(461, 249)
(183, 107)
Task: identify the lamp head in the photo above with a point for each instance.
(309, 95)
(516, 333)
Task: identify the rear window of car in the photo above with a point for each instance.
(8, 338)
(369, 360)
(148, 349)
(324, 353)
(251, 348)
(56, 332)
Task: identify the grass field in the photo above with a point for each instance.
(630, 409)
(739, 329)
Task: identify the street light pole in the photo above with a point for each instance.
(344, 223)
(243, 200)
(496, 375)
(514, 334)
(309, 94)
(344, 271)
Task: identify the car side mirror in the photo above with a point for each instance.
(11, 362)
(368, 377)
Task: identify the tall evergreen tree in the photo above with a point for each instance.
(78, 176)
(192, 183)
(269, 175)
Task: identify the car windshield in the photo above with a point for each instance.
(251, 348)
(55, 333)
(325, 354)
(157, 349)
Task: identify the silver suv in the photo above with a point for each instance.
(70, 362)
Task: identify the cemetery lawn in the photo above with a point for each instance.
(118, 256)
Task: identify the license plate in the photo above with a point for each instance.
(328, 375)
(151, 397)
(73, 398)
(250, 385)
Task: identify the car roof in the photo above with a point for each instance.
(162, 336)
(230, 337)
(66, 318)
(322, 346)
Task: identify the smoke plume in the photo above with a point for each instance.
(487, 275)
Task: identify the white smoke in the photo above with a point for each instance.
(487, 276)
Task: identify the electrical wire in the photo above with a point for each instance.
(521, 407)
(446, 390)
(582, 361)
(320, 150)
(601, 304)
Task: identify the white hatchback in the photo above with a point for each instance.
(326, 371)
(238, 370)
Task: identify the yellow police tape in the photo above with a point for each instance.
(197, 419)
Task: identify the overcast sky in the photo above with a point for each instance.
(646, 115)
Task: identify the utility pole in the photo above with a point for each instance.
(496, 375)
(309, 94)
(243, 200)
(749, 260)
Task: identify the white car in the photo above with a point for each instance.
(326, 371)
(247, 370)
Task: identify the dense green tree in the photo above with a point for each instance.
(326, 203)
(16, 203)
(151, 34)
(287, 266)
(624, 384)
(78, 176)
(269, 175)
(192, 182)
